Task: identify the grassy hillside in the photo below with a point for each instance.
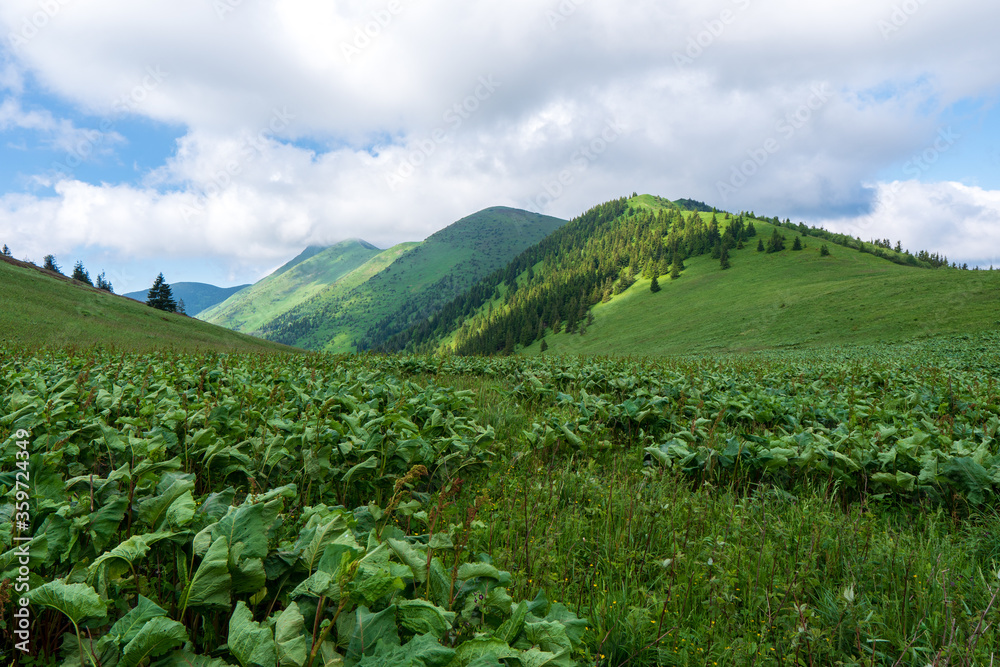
(196, 296)
(586, 289)
(295, 282)
(413, 286)
(47, 310)
(784, 300)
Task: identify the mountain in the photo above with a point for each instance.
(197, 296)
(586, 289)
(51, 310)
(392, 292)
(301, 278)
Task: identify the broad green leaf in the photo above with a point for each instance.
(415, 558)
(126, 628)
(250, 642)
(512, 627)
(368, 630)
(371, 463)
(482, 648)
(211, 583)
(76, 601)
(290, 637)
(421, 651)
(475, 570)
(181, 511)
(424, 617)
(155, 638)
(969, 477)
(129, 551)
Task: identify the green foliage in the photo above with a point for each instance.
(654, 285)
(797, 245)
(824, 251)
(49, 263)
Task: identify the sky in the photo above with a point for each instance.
(213, 140)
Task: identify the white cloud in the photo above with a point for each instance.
(958, 221)
(373, 86)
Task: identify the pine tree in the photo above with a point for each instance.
(798, 243)
(724, 258)
(654, 286)
(80, 273)
(776, 243)
(675, 269)
(160, 296)
(760, 245)
(50, 264)
(751, 230)
(6, 251)
(823, 250)
(544, 346)
(104, 284)
(180, 307)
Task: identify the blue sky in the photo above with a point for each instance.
(213, 140)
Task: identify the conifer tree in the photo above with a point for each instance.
(50, 264)
(544, 346)
(798, 243)
(760, 245)
(6, 251)
(160, 296)
(80, 273)
(724, 258)
(675, 270)
(824, 251)
(654, 286)
(104, 284)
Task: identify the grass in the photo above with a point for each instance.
(47, 310)
(788, 299)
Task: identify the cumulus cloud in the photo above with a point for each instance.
(396, 118)
(956, 220)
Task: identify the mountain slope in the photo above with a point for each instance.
(197, 296)
(414, 285)
(295, 282)
(54, 311)
(586, 289)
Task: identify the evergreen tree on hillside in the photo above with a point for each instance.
(675, 271)
(544, 346)
(776, 243)
(798, 243)
(50, 264)
(181, 308)
(104, 284)
(724, 258)
(80, 273)
(6, 251)
(751, 230)
(824, 251)
(760, 245)
(160, 296)
(654, 286)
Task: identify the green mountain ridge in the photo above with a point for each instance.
(586, 290)
(419, 280)
(50, 310)
(295, 282)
